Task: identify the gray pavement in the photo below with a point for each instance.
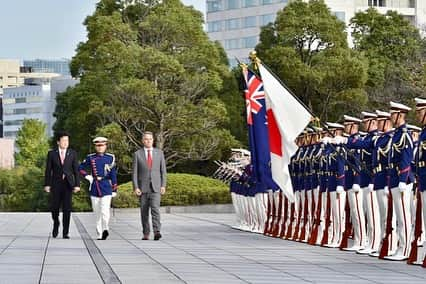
(195, 248)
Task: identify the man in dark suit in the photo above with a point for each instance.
(60, 180)
(149, 183)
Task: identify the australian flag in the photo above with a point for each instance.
(257, 123)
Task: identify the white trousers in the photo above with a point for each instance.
(357, 217)
(401, 204)
(337, 201)
(101, 208)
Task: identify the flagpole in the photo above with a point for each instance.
(255, 60)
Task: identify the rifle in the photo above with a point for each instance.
(417, 230)
(299, 219)
(276, 229)
(348, 225)
(324, 240)
(384, 251)
(314, 234)
(290, 223)
(268, 214)
(305, 218)
(282, 232)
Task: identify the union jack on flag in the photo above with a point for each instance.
(253, 93)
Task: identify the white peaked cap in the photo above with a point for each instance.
(420, 103)
(334, 125)
(383, 113)
(351, 119)
(100, 139)
(397, 107)
(368, 115)
(413, 127)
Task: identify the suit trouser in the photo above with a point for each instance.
(401, 203)
(61, 196)
(101, 207)
(150, 200)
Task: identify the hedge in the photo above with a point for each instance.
(182, 189)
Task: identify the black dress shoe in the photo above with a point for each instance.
(65, 237)
(55, 230)
(105, 234)
(157, 236)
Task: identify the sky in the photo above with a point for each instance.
(47, 29)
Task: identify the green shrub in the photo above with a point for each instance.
(21, 189)
(182, 189)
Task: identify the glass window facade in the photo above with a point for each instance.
(266, 19)
(214, 5)
(232, 43)
(232, 4)
(250, 21)
(232, 24)
(249, 42)
(250, 3)
(215, 26)
(340, 15)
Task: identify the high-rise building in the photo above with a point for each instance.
(61, 66)
(36, 100)
(236, 23)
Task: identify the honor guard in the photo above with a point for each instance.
(335, 185)
(379, 192)
(366, 145)
(420, 162)
(100, 170)
(353, 189)
(399, 178)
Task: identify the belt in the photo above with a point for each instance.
(421, 164)
(378, 169)
(394, 166)
(100, 178)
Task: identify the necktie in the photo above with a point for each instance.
(62, 156)
(149, 159)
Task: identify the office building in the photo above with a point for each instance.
(236, 23)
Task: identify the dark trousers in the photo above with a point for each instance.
(61, 196)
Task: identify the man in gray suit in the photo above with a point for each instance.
(149, 183)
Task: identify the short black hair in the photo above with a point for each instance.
(61, 134)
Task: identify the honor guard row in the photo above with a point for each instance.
(358, 191)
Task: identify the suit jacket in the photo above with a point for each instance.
(142, 176)
(55, 170)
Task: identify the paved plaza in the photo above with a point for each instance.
(195, 248)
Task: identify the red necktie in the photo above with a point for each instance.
(149, 159)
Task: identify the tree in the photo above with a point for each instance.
(32, 144)
(307, 48)
(148, 65)
(394, 49)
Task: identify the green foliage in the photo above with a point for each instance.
(394, 49)
(32, 144)
(148, 65)
(307, 48)
(182, 189)
(21, 189)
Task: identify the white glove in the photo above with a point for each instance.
(340, 140)
(370, 187)
(89, 178)
(402, 186)
(114, 194)
(356, 187)
(340, 189)
(386, 189)
(326, 140)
